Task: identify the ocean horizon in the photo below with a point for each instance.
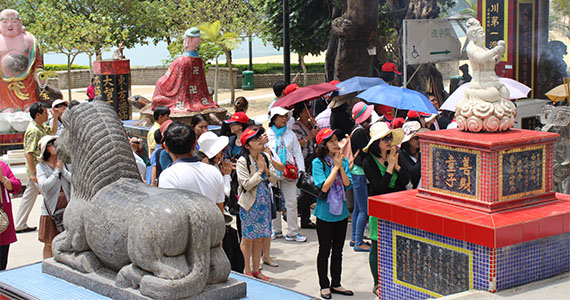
(153, 55)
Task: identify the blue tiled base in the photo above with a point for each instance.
(441, 261)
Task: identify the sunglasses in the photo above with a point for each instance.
(387, 138)
(60, 105)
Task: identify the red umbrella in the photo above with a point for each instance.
(309, 92)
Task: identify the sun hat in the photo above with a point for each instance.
(390, 67)
(192, 32)
(325, 134)
(247, 135)
(340, 100)
(361, 112)
(380, 130)
(164, 127)
(291, 88)
(279, 111)
(57, 102)
(411, 128)
(43, 143)
(212, 144)
(239, 117)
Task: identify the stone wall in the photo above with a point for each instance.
(149, 76)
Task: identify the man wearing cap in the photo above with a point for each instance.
(183, 88)
(187, 172)
(35, 131)
(161, 114)
(60, 106)
(389, 70)
(284, 142)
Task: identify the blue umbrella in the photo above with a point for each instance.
(398, 97)
(357, 84)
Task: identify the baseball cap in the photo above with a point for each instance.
(279, 111)
(247, 135)
(412, 114)
(325, 134)
(291, 88)
(390, 67)
(192, 32)
(239, 117)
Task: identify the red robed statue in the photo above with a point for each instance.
(183, 88)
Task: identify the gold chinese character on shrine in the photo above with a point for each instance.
(450, 181)
(494, 21)
(122, 81)
(465, 184)
(450, 163)
(108, 81)
(466, 168)
(495, 7)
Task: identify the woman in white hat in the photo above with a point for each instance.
(383, 172)
(410, 156)
(54, 180)
(212, 152)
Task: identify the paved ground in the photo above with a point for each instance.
(297, 261)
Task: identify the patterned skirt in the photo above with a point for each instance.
(256, 222)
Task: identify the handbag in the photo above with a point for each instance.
(57, 216)
(307, 185)
(4, 221)
(291, 171)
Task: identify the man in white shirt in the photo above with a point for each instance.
(186, 171)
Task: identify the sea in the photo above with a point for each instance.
(154, 55)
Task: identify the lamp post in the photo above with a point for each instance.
(286, 49)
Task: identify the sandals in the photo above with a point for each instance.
(259, 275)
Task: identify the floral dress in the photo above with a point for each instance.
(256, 222)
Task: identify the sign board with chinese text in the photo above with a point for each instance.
(495, 23)
(112, 81)
(430, 41)
(454, 171)
(522, 172)
(431, 267)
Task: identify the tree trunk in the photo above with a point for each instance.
(90, 66)
(332, 48)
(69, 84)
(231, 73)
(216, 82)
(98, 55)
(356, 30)
(304, 67)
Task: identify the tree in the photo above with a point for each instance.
(58, 30)
(471, 9)
(309, 26)
(226, 41)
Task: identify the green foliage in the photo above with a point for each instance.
(471, 10)
(277, 68)
(309, 27)
(207, 51)
(61, 67)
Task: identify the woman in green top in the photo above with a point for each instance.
(383, 171)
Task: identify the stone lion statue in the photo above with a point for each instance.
(486, 105)
(164, 242)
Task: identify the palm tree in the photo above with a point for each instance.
(471, 10)
(227, 41)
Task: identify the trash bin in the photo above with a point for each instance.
(247, 81)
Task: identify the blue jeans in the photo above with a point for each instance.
(360, 211)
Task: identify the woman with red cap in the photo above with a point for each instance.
(254, 172)
(332, 175)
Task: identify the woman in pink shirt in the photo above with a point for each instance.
(91, 91)
(11, 184)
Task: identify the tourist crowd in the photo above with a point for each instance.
(349, 150)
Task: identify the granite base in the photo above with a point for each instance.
(102, 282)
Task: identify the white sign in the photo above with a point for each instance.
(430, 41)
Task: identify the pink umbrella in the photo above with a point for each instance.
(309, 92)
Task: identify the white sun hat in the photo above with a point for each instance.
(211, 144)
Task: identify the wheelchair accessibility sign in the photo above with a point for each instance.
(430, 41)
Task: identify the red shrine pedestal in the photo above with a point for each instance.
(486, 217)
(112, 81)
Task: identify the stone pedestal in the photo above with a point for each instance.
(485, 217)
(103, 283)
(112, 80)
